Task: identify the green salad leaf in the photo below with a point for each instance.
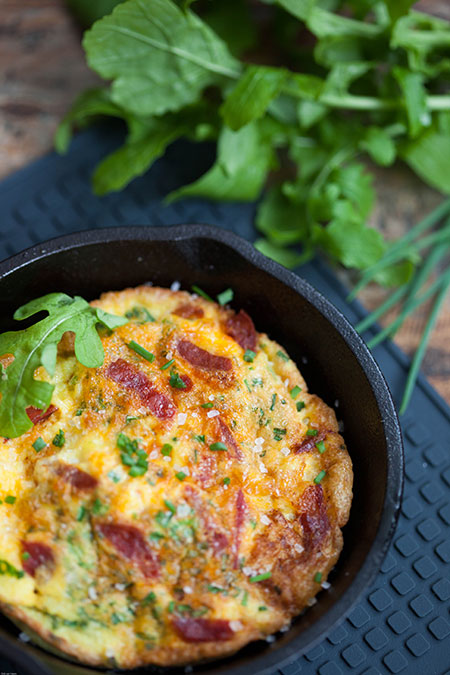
(36, 346)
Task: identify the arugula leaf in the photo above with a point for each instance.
(232, 22)
(426, 41)
(283, 256)
(349, 240)
(145, 143)
(398, 8)
(324, 23)
(251, 96)
(280, 219)
(37, 345)
(379, 145)
(87, 107)
(415, 99)
(429, 156)
(243, 159)
(159, 57)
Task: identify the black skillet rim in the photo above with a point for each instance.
(23, 653)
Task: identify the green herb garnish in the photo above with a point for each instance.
(7, 569)
(249, 356)
(320, 476)
(166, 449)
(320, 445)
(274, 400)
(132, 455)
(141, 314)
(141, 351)
(318, 577)
(176, 382)
(260, 577)
(312, 432)
(202, 294)
(300, 405)
(226, 480)
(210, 404)
(180, 475)
(9, 499)
(218, 446)
(39, 444)
(225, 297)
(36, 346)
(278, 434)
(81, 513)
(59, 439)
(282, 355)
(200, 438)
(167, 364)
(295, 391)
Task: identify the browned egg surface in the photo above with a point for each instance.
(186, 498)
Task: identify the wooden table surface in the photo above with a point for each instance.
(43, 69)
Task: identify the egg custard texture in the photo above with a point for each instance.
(176, 503)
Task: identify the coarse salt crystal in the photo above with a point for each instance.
(336, 403)
(182, 417)
(325, 585)
(285, 451)
(153, 454)
(265, 520)
(286, 382)
(185, 470)
(284, 629)
(311, 602)
(175, 286)
(169, 355)
(187, 589)
(120, 587)
(259, 440)
(262, 468)
(212, 413)
(167, 458)
(236, 625)
(183, 510)
(24, 637)
(211, 397)
(248, 571)
(270, 638)
(299, 548)
(92, 593)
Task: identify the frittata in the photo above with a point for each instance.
(176, 503)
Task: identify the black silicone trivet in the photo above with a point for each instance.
(402, 625)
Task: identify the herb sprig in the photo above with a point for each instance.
(375, 86)
(36, 346)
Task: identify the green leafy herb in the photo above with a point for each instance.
(141, 351)
(295, 391)
(9, 499)
(141, 314)
(282, 355)
(312, 432)
(7, 569)
(167, 364)
(81, 513)
(209, 404)
(274, 400)
(200, 438)
(176, 382)
(180, 475)
(39, 444)
(320, 477)
(36, 346)
(166, 450)
(300, 405)
(260, 577)
(132, 456)
(249, 356)
(320, 445)
(202, 293)
(278, 434)
(318, 577)
(226, 480)
(59, 439)
(225, 297)
(218, 446)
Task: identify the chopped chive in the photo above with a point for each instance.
(176, 382)
(312, 432)
(244, 600)
(247, 385)
(253, 524)
(149, 598)
(137, 471)
(202, 294)
(81, 513)
(295, 391)
(226, 480)
(9, 499)
(249, 355)
(130, 418)
(218, 446)
(319, 477)
(274, 400)
(318, 577)
(167, 364)
(320, 445)
(262, 608)
(210, 404)
(141, 351)
(300, 405)
(156, 535)
(25, 555)
(166, 449)
(59, 439)
(278, 434)
(39, 444)
(79, 412)
(180, 475)
(214, 589)
(260, 577)
(171, 606)
(225, 297)
(282, 355)
(140, 313)
(170, 506)
(98, 508)
(199, 438)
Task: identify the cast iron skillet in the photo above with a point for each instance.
(334, 360)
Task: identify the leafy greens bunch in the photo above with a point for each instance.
(295, 92)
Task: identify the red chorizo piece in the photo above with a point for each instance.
(188, 311)
(200, 358)
(239, 519)
(227, 437)
(215, 537)
(77, 478)
(37, 415)
(36, 555)
(131, 544)
(309, 442)
(313, 518)
(131, 378)
(190, 629)
(241, 328)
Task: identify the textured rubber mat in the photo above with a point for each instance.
(402, 625)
